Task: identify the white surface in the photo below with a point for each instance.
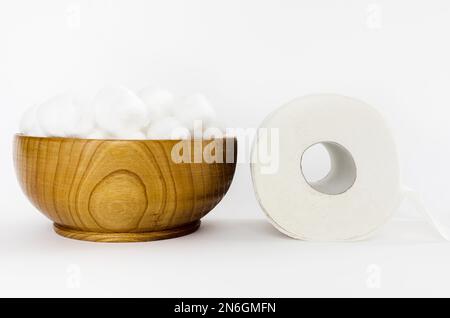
(342, 208)
(249, 57)
(225, 258)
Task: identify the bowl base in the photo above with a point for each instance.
(126, 237)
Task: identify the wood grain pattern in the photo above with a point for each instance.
(121, 190)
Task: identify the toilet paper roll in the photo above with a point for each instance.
(362, 189)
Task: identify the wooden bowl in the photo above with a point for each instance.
(123, 190)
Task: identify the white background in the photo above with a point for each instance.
(248, 57)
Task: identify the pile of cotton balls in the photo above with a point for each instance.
(119, 113)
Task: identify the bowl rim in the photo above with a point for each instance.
(20, 135)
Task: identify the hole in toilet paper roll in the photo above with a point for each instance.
(328, 167)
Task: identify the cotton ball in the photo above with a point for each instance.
(36, 132)
(158, 102)
(29, 125)
(57, 115)
(119, 109)
(196, 129)
(124, 135)
(215, 130)
(28, 120)
(132, 135)
(194, 108)
(84, 123)
(97, 134)
(156, 96)
(168, 128)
